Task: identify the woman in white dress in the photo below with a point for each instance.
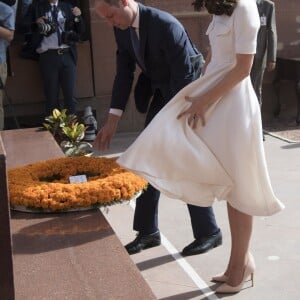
(206, 143)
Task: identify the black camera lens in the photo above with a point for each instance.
(70, 37)
(46, 28)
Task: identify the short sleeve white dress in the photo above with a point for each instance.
(225, 159)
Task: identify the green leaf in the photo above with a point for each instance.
(56, 113)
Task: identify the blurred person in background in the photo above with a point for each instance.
(266, 49)
(55, 27)
(7, 27)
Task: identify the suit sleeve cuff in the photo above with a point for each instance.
(116, 112)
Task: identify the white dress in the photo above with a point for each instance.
(225, 159)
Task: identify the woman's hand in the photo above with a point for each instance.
(197, 110)
(76, 11)
(200, 104)
(41, 19)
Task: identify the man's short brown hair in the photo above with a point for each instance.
(112, 2)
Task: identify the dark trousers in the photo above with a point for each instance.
(146, 211)
(257, 76)
(58, 71)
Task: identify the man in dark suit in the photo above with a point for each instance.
(57, 27)
(158, 43)
(266, 50)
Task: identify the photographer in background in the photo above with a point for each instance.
(55, 28)
(7, 27)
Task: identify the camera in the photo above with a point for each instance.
(69, 37)
(46, 28)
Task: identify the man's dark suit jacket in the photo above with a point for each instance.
(166, 50)
(9, 2)
(39, 9)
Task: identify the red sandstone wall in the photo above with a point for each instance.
(288, 27)
(101, 72)
(287, 15)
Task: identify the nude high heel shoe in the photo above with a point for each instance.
(223, 277)
(220, 278)
(248, 271)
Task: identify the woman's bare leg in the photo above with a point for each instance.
(241, 229)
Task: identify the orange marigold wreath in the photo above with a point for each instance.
(45, 185)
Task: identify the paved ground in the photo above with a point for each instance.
(285, 128)
(275, 243)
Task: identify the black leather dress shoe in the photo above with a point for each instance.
(203, 245)
(142, 242)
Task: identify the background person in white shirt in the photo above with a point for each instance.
(56, 26)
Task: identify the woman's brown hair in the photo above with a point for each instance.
(216, 7)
